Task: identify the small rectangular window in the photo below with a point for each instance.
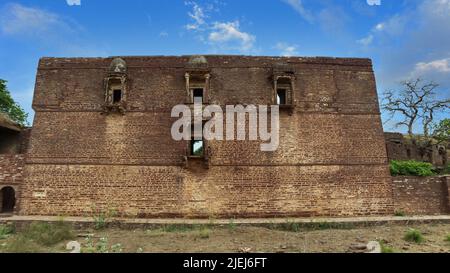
(117, 95)
(197, 143)
(197, 94)
(281, 96)
(197, 148)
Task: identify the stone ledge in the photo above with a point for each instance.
(350, 222)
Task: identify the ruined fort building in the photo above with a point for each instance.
(101, 140)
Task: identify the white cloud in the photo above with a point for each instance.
(366, 41)
(163, 34)
(441, 66)
(425, 35)
(18, 19)
(220, 35)
(380, 26)
(297, 5)
(393, 27)
(225, 34)
(73, 2)
(197, 15)
(287, 50)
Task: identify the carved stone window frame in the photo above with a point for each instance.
(290, 87)
(110, 82)
(116, 79)
(202, 80)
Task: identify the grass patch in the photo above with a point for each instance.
(48, 234)
(231, 225)
(6, 231)
(200, 231)
(447, 239)
(179, 228)
(414, 235)
(385, 248)
(101, 246)
(296, 227)
(203, 233)
(101, 219)
(288, 226)
(21, 244)
(400, 213)
(155, 232)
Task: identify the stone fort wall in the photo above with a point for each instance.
(331, 161)
(422, 195)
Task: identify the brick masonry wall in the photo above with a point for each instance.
(11, 172)
(398, 148)
(421, 195)
(11, 169)
(331, 160)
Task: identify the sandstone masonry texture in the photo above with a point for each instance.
(331, 160)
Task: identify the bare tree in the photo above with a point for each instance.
(416, 101)
(428, 114)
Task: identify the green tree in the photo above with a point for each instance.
(10, 107)
(441, 131)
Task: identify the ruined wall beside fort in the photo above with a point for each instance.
(421, 195)
(13, 147)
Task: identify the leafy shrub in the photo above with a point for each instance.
(385, 248)
(413, 235)
(102, 218)
(5, 231)
(447, 169)
(447, 239)
(411, 167)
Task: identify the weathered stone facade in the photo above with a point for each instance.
(13, 147)
(89, 153)
(399, 148)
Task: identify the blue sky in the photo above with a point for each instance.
(405, 39)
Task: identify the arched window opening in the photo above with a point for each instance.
(8, 199)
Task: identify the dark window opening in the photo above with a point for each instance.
(117, 96)
(196, 148)
(197, 143)
(8, 199)
(198, 94)
(281, 96)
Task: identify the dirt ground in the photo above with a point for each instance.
(230, 238)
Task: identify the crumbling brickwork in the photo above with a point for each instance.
(13, 147)
(399, 148)
(331, 160)
(422, 195)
